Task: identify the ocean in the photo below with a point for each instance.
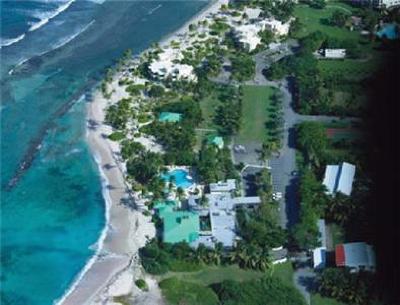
(52, 53)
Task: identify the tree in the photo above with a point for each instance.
(339, 18)
(156, 91)
(243, 67)
(351, 288)
(318, 4)
(144, 167)
(312, 140)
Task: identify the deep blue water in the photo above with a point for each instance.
(52, 205)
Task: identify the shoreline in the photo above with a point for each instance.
(116, 256)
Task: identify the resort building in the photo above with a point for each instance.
(357, 256)
(178, 226)
(252, 13)
(277, 27)
(167, 65)
(319, 253)
(247, 36)
(169, 117)
(339, 178)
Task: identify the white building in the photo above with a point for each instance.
(319, 253)
(334, 53)
(339, 178)
(252, 13)
(168, 64)
(277, 27)
(247, 35)
(356, 256)
(385, 3)
(228, 186)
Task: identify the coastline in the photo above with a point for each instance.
(111, 271)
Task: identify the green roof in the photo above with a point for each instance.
(163, 207)
(181, 226)
(170, 117)
(216, 140)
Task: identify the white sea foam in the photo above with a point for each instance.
(72, 37)
(98, 246)
(154, 9)
(46, 17)
(10, 41)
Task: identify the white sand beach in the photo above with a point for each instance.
(115, 267)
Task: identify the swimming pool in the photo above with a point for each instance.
(181, 178)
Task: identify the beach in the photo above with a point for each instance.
(115, 266)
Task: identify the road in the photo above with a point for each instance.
(283, 165)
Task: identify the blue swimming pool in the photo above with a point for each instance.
(181, 178)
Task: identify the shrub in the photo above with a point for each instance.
(116, 136)
(141, 284)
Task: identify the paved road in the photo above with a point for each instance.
(284, 165)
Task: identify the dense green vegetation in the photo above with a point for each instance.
(179, 292)
(347, 287)
(215, 165)
(266, 291)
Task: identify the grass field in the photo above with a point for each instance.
(208, 106)
(215, 274)
(351, 69)
(315, 20)
(317, 299)
(256, 109)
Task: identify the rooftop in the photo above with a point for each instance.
(180, 226)
(229, 185)
(339, 178)
(355, 255)
(170, 117)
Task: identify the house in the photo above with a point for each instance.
(379, 3)
(334, 53)
(357, 256)
(319, 253)
(169, 117)
(339, 178)
(215, 140)
(168, 65)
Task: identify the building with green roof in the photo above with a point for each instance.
(170, 117)
(181, 226)
(215, 140)
(178, 226)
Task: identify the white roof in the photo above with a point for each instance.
(339, 178)
(252, 13)
(220, 201)
(248, 35)
(246, 200)
(319, 257)
(223, 227)
(221, 186)
(345, 183)
(359, 254)
(331, 173)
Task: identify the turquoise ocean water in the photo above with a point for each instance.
(52, 208)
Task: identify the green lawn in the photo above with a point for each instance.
(214, 274)
(256, 109)
(208, 106)
(314, 20)
(317, 299)
(351, 69)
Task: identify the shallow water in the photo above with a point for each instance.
(53, 215)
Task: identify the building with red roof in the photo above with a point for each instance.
(357, 256)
